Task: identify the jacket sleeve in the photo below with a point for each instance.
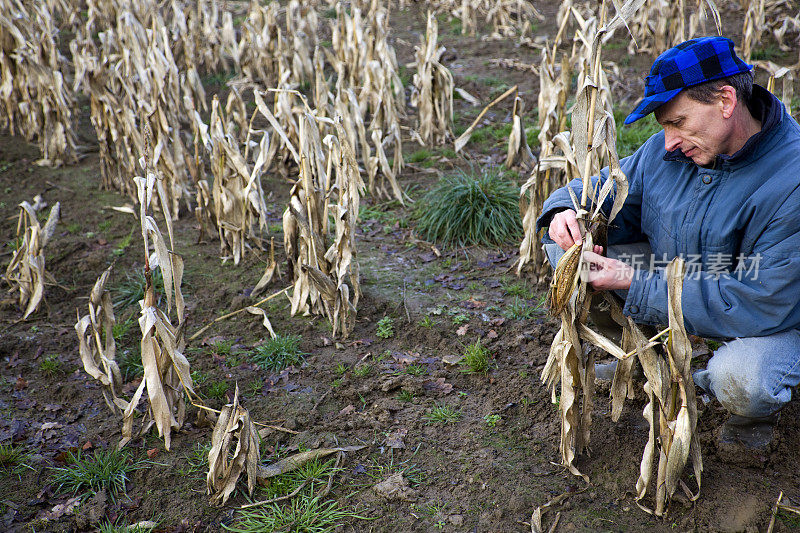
(626, 226)
(759, 297)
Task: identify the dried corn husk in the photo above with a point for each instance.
(26, 272)
(166, 369)
(432, 93)
(225, 463)
(98, 357)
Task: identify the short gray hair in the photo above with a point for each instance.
(707, 92)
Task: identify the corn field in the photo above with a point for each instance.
(282, 139)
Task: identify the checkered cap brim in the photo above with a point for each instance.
(690, 63)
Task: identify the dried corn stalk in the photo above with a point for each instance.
(777, 72)
(324, 275)
(519, 153)
(225, 463)
(239, 207)
(753, 27)
(671, 410)
(661, 24)
(432, 94)
(551, 172)
(166, 369)
(98, 355)
(26, 272)
(593, 130)
(35, 101)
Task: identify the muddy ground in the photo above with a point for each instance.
(480, 473)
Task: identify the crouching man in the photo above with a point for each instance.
(720, 187)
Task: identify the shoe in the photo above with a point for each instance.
(755, 434)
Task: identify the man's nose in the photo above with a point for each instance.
(671, 140)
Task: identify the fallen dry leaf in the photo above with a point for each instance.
(21, 383)
(347, 410)
(452, 359)
(462, 330)
(492, 334)
(395, 439)
(438, 386)
(405, 358)
(395, 487)
(152, 452)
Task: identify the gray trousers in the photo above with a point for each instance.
(750, 376)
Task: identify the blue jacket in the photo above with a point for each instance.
(736, 224)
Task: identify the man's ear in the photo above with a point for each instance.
(727, 100)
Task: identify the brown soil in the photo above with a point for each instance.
(470, 476)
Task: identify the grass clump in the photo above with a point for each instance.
(130, 290)
(12, 459)
(217, 389)
(279, 353)
(130, 364)
(519, 309)
(87, 475)
(468, 208)
(442, 414)
(385, 328)
(476, 359)
(50, 365)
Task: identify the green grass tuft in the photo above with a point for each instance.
(87, 475)
(476, 359)
(130, 290)
(442, 414)
(471, 208)
(279, 353)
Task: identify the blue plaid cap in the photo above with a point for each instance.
(690, 63)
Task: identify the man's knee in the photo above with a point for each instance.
(745, 379)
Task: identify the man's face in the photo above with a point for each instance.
(698, 130)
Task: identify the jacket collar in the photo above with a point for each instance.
(763, 105)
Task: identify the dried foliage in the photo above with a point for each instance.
(508, 18)
(166, 369)
(35, 100)
(133, 80)
(432, 94)
(238, 208)
(225, 463)
(26, 272)
(97, 345)
(549, 174)
(671, 410)
(324, 275)
(661, 24)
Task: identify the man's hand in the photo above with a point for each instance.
(564, 229)
(605, 273)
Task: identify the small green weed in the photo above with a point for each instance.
(104, 226)
(130, 290)
(253, 387)
(519, 309)
(87, 475)
(416, 370)
(12, 459)
(405, 396)
(217, 389)
(460, 318)
(74, 227)
(123, 244)
(713, 345)
(341, 369)
(130, 364)
(385, 328)
(120, 329)
(362, 370)
(492, 420)
(50, 365)
(769, 52)
(278, 353)
(336, 383)
(426, 322)
(442, 414)
(305, 514)
(518, 288)
(199, 378)
(476, 359)
(109, 527)
(420, 156)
